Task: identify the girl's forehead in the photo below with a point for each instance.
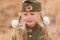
(29, 12)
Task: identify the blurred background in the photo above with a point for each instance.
(9, 10)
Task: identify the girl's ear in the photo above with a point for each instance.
(40, 19)
(19, 18)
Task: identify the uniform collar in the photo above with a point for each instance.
(34, 28)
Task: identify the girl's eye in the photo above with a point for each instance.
(32, 14)
(25, 14)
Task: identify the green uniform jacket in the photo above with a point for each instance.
(35, 33)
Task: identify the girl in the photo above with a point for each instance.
(34, 28)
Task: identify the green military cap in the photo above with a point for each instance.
(30, 6)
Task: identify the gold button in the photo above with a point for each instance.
(30, 35)
(30, 30)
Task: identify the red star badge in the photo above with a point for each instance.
(29, 8)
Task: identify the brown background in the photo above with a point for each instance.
(9, 10)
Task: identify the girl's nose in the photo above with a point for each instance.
(29, 16)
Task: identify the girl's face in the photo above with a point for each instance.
(30, 18)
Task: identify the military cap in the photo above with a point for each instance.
(30, 6)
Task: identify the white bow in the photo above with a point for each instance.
(14, 23)
(46, 20)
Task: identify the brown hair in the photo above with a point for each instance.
(44, 28)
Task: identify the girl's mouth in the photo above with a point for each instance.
(29, 21)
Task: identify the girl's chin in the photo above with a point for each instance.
(29, 23)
